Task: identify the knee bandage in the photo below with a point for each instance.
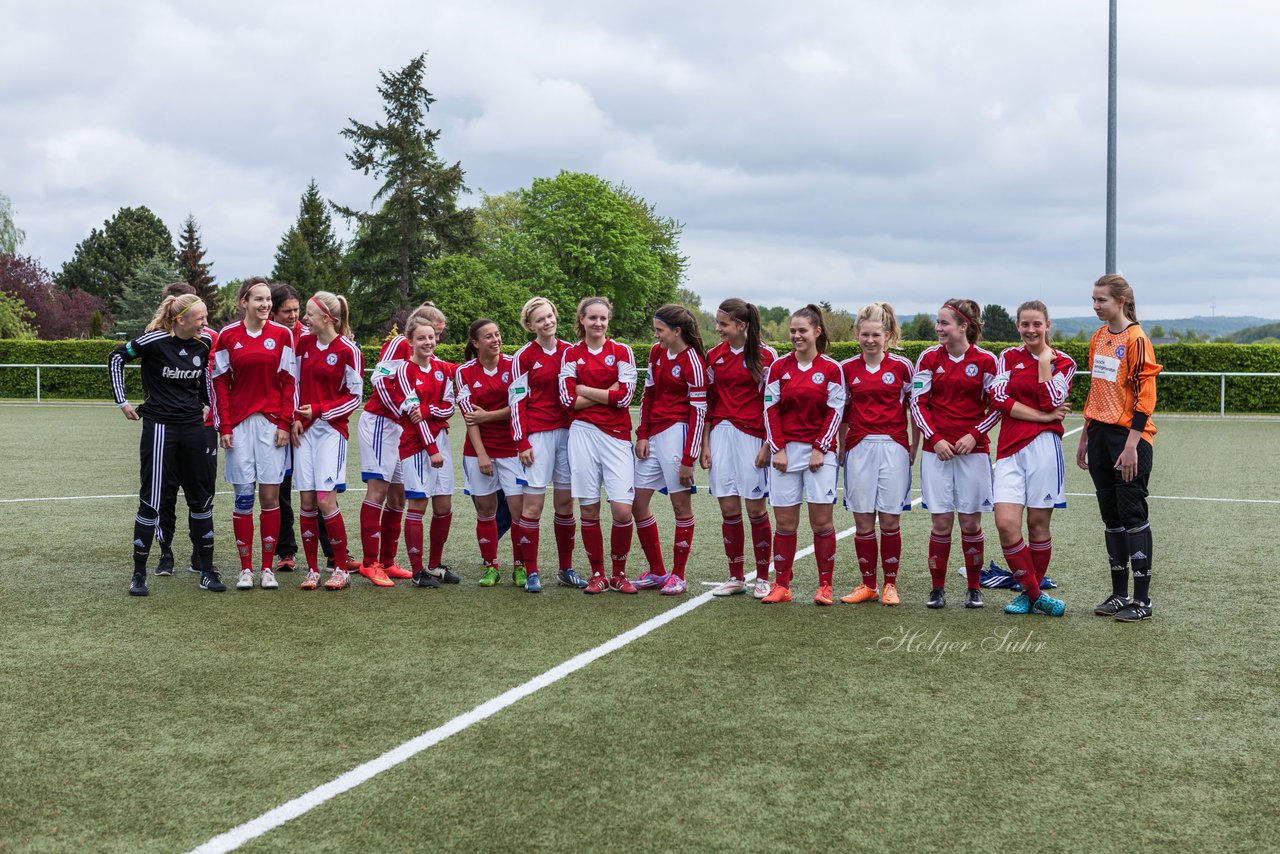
(244, 497)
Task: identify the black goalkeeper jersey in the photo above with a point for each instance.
(175, 375)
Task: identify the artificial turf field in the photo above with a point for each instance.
(161, 723)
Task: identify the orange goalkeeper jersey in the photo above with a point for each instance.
(1122, 387)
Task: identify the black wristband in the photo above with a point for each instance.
(1139, 422)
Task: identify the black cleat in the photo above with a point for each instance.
(972, 598)
(138, 587)
(422, 578)
(211, 581)
(937, 598)
(444, 573)
(165, 567)
(1134, 612)
(1112, 606)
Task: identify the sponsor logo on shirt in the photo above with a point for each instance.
(179, 374)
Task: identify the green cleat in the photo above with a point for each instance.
(519, 576)
(490, 576)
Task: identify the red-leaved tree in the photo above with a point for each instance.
(58, 313)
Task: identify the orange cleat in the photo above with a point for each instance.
(777, 594)
(338, 580)
(375, 573)
(861, 593)
(824, 595)
(311, 582)
(890, 595)
(353, 565)
(397, 571)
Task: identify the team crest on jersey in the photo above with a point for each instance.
(195, 360)
(506, 376)
(609, 360)
(331, 359)
(818, 378)
(675, 372)
(970, 370)
(439, 376)
(270, 343)
(888, 378)
(1120, 352)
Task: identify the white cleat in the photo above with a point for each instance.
(245, 581)
(762, 588)
(269, 580)
(732, 587)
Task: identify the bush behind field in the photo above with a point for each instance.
(1177, 394)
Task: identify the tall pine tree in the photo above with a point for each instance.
(194, 269)
(309, 256)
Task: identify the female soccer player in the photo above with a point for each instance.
(733, 448)
(254, 392)
(490, 456)
(175, 352)
(1116, 444)
(1031, 388)
(803, 405)
(540, 427)
(597, 381)
(949, 403)
(876, 450)
(673, 416)
(330, 387)
(286, 310)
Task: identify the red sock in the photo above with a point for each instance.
(762, 544)
(651, 542)
(593, 545)
(975, 559)
(866, 548)
(939, 554)
(269, 525)
(528, 532)
(890, 554)
(683, 545)
(242, 527)
(734, 543)
(413, 538)
(784, 555)
(487, 537)
(389, 536)
(564, 526)
(337, 531)
(1040, 555)
(1018, 557)
(439, 534)
(620, 547)
(309, 526)
(824, 550)
(370, 532)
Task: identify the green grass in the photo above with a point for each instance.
(156, 724)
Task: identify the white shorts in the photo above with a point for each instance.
(379, 439)
(550, 461)
(254, 457)
(877, 477)
(797, 483)
(421, 480)
(597, 458)
(320, 460)
(733, 464)
(508, 475)
(661, 471)
(960, 485)
(1034, 476)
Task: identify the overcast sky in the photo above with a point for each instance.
(849, 151)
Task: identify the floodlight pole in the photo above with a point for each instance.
(1111, 145)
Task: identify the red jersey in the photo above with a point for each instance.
(612, 363)
(877, 401)
(732, 395)
(330, 379)
(488, 391)
(675, 392)
(535, 396)
(803, 404)
(253, 373)
(1018, 380)
(395, 353)
(949, 396)
(439, 412)
(431, 390)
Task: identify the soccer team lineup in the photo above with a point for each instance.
(274, 392)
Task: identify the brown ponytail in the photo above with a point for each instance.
(744, 312)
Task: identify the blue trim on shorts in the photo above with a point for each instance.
(415, 495)
(366, 476)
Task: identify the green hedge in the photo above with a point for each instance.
(1177, 394)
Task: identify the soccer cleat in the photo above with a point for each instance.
(937, 598)
(245, 580)
(732, 587)
(1134, 612)
(622, 584)
(519, 576)
(1020, 605)
(286, 563)
(211, 581)
(569, 578)
(194, 565)
(138, 586)
(490, 576)
(973, 598)
(675, 586)
(444, 574)
(1049, 606)
(532, 583)
(1111, 606)
(597, 584)
(861, 593)
(269, 580)
(761, 588)
(165, 567)
(338, 579)
(375, 573)
(397, 571)
(649, 581)
(311, 582)
(890, 595)
(776, 595)
(425, 579)
(353, 565)
(824, 595)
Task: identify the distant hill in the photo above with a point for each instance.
(1213, 327)
(1256, 333)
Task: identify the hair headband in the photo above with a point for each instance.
(326, 311)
